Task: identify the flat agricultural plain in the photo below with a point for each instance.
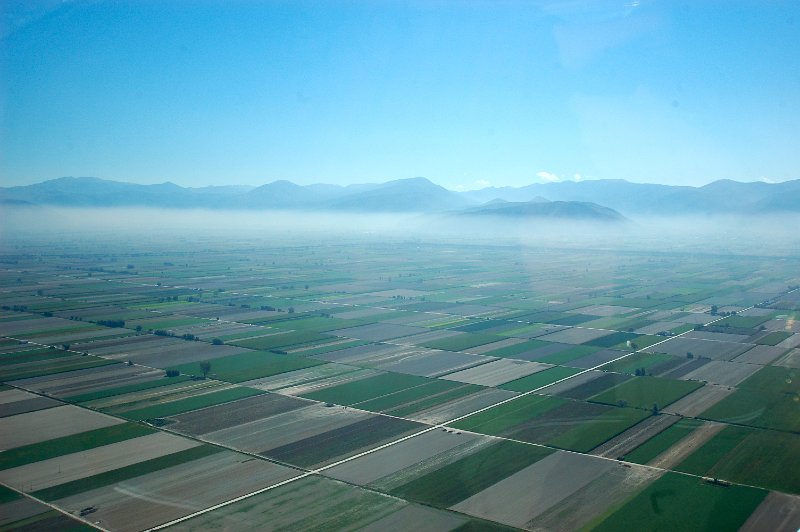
(285, 380)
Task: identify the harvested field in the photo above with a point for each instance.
(310, 379)
(660, 326)
(90, 380)
(570, 384)
(286, 428)
(195, 402)
(684, 447)
(590, 384)
(462, 479)
(307, 504)
(540, 379)
(760, 354)
(594, 499)
(791, 342)
(34, 427)
(429, 336)
(462, 406)
(716, 336)
(679, 347)
(721, 372)
(463, 342)
(429, 363)
(518, 499)
(352, 355)
(779, 512)
(634, 437)
(378, 332)
(377, 465)
(496, 372)
(790, 360)
(179, 354)
(25, 404)
(574, 335)
(699, 400)
(27, 327)
(418, 518)
(20, 509)
(595, 359)
(276, 338)
(605, 310)
(74, 443)
(688, 365)
(341, 442)
(499, 345)
(63, 469)
(235, 413)
(656, 444)
(60, 363)
(149, 500)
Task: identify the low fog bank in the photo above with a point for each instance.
(749, 235)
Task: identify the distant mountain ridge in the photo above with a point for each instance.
(421, 195)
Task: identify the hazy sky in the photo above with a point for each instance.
(465, 93)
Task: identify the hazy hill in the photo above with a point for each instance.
(403, 195)
(536, 208)
(417, 195)
(724, 196)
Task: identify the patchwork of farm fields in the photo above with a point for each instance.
(391, 385)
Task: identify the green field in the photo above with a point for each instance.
(644, 392)
(190, 403)
(365, 389)
(422, 392)
(749, 456)
(636, 361)
(662, 441)
(589, 434)
(71, 444)
(251, 365)
(456, 481)
(499, 419)
(516, 349)
(568, 355)
(613, 339)
(768, 399)
(678, 502)
(539, 379)
(774, 338)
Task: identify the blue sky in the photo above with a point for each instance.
(465, 93)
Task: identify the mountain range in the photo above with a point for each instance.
(585, 199)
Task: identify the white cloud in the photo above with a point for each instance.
(578, 177)
(482, 183)
(547, 177)
(765, 179)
